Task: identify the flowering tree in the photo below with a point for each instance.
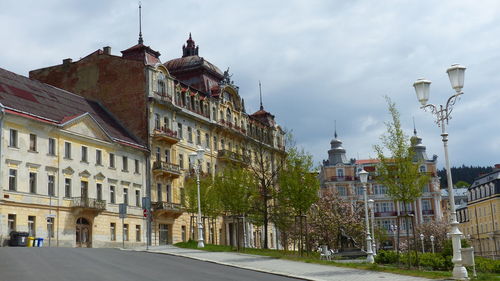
(328, 215)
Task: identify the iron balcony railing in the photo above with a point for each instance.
(233, 156)
(90, 203)
(167, 167)
(167, 206)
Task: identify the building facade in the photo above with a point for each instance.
(175, 108)
(479, 219)
(340, 175)
(65, 165)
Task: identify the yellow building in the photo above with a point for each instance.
(175, 108)
(66, 164)
(479, 220)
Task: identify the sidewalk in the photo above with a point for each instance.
(287, 268)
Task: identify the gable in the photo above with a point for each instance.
(86, 126)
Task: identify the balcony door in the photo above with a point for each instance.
(85, 190)
(83, 233)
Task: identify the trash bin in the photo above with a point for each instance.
(39, 242)
(18, 239)
(31, 241)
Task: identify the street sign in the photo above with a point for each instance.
(122, 210)
(146, 213)
(146, 203)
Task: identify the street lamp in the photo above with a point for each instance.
(432, 243)
(422, 239)
(371, 204)
(363, 176)
(394, 229)
(196, 159)
(442, 113)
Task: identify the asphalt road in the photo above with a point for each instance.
(71, 264)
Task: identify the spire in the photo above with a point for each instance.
(260, 91)
(140, 24)
(190, 49)
(335, 122)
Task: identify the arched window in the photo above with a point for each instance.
(228, 115)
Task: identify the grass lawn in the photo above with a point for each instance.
(314, 258)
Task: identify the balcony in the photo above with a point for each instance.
(386, 214)
(428, 212)
(166, 169)
(165, 134)
(167, 209)
(403, 213)
(88, 204)
(227, 155)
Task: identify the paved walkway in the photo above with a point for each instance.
(306, 271)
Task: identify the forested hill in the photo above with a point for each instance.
(463, 174)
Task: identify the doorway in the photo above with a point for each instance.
(83, 233)
(164, 234)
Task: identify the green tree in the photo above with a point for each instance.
(399, 171)
(297, 190)
(236, 190)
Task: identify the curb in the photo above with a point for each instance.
(232, 265)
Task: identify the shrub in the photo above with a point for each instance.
(487, 265)
(433, 261)
(386, 257)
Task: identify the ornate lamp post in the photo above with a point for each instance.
(422, 240)
(456, 74)
(371, 206)
(363, 175)
(196, 159)
(432, 243)
(394, 229)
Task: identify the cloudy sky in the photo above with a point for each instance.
(318, 61)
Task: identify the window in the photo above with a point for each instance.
(67, 187)
(112, 194)
(169, 194)
(112, 231)
(51, 185)
(125, 196)
(31, 226)
(32, 182)
(98, 157)
(111, 160)
(190, 135)
(198, 137)
(84, 154)
(158, 154)
(11, 223)
(167, 155)
(207, 141)
(32, 142)
(380, 189)
(181, 161)
(340, 173)
(342, 190)
(50, 227)
(136, 166)
(422, 169)
(179, 130)
(426, 188)
(12, 179)
(360, 190)
(125, 232)
(138, 198)
(137, 233)
(166, 122)
(67, 150)
(52, 146)
(125, 164)
(158, 192)
(99, 191)
(13, 138)
(216, 145)
(222, 144)
(157, 121)
(209, 170)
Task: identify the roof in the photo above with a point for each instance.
(367, 161)
(143, 53)
(36, 100)
(457, 192)
(191, 62)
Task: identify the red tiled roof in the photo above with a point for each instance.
(33, 99)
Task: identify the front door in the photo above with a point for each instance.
(83, 233)
(163, 235)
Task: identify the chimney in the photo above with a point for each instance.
(107, 50)
(67, 61)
